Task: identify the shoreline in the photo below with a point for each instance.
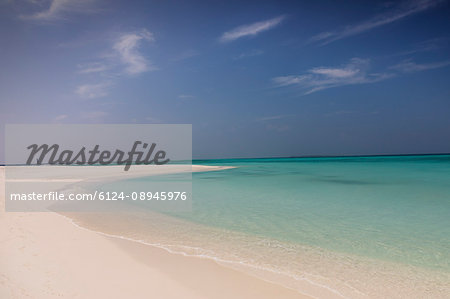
(323, 274)
(45, 256)
(51, 257)
(157, 249)
(127, 242)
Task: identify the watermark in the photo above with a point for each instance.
(95, 156)
(98, 167)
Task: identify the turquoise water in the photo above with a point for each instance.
(395, 208)
(357, 227)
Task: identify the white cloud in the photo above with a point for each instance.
(355, 72)
(126, 58)
(127, 46)
(347, 72)
(60, 117)
(251, 29)
(315, 79)
(92, 91)
(58, 9)
(400, 12)
(411, 67)
(289, 80)
(95, 67)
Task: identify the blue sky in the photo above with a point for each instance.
(254, 78)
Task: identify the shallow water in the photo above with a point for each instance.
(353, 227)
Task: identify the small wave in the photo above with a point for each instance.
(211, 255)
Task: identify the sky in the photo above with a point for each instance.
(254, 78)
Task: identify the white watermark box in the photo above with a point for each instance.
(98, 167)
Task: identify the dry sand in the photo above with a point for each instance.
(43, 255)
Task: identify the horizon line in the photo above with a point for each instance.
(328, 156)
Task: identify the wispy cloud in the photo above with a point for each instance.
(320, 78)
(95, 67)
(400, 12)
(59, 9)
(250, 29)
(92, 91)
(127, 47)
(429, 45)
(60, 118)
(125, 58)
(412, 67)
(357, 71)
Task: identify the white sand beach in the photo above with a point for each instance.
(44, 255)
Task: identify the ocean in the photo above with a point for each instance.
(341, 227)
